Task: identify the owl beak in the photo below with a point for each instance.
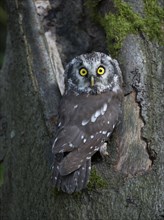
(92, 81)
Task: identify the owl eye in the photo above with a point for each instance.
(100, 70)
(83, 71)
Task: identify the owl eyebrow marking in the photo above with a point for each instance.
(105, 61)
(79, 62)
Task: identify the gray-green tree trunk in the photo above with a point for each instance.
(42, 37)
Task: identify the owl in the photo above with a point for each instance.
(89, 111)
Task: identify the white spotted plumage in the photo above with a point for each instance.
(84, 122)
(84, 140)
(88, 113)
(104, 108)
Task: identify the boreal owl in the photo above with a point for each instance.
(89, 111)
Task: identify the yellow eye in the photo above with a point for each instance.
(83, 71)
(100, 70)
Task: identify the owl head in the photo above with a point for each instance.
(92, 73)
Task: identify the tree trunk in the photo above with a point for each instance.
(42, 37)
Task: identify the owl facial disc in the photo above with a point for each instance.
(92, 73)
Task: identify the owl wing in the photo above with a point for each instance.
(85, 122)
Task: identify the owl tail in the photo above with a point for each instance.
(75, 181)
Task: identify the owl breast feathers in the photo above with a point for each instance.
(89, 111)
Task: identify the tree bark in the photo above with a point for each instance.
(42, 37)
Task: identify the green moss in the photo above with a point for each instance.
(153, 21)
(56, 192)
(3, 16)
(125, 21)
(1, 174)
(96, 181)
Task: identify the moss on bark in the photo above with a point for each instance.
(125, 21)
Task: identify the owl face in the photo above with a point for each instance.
(92, 73)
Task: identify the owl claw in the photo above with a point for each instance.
(103, 150)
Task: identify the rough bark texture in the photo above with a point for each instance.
(41, 38)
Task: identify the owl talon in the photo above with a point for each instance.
(103, 150)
